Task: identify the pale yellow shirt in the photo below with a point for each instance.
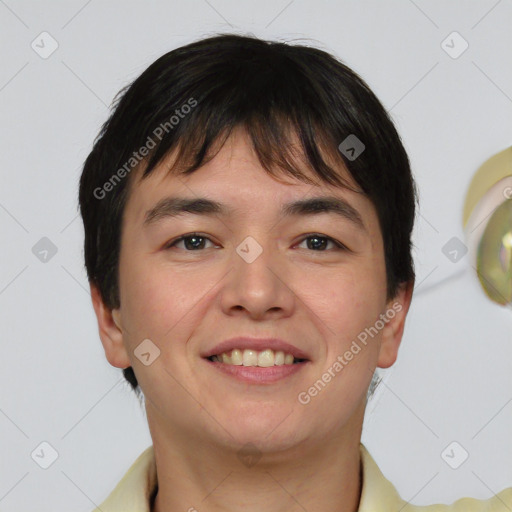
(133, 492)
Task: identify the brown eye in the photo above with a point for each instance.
(192, 242)
(320, 242)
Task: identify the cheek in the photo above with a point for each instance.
(346, 302)
(154, 299)
(345, 296)
(152, 304)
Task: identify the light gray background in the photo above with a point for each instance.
(453, 379)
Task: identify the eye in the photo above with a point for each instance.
(193, 241)
(196, 242)
(319, 242)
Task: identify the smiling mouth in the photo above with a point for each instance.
(263, 359)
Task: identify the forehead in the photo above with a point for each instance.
(236, 182)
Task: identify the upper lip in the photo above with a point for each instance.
(259, 344)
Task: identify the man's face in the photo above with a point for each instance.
(189, 296)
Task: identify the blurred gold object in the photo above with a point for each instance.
(487, 221)
(490, 172)
(494, 256)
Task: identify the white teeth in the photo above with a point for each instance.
(266, 358)
(248, 357)
(236, 357)
(279, 357)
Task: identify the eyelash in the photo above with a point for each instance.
(338, 245)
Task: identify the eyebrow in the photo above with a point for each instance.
(175, 206)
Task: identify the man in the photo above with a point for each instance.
(248, 210)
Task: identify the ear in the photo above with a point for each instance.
(110, 330)
(394, 328)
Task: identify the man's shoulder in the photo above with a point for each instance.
(133, 492)
(501, 502)
(379, 495)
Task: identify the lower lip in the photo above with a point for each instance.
(257, 374)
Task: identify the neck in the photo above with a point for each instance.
(195, 475)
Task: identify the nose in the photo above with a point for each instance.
(259, 283)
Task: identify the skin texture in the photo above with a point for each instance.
(187, 302)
